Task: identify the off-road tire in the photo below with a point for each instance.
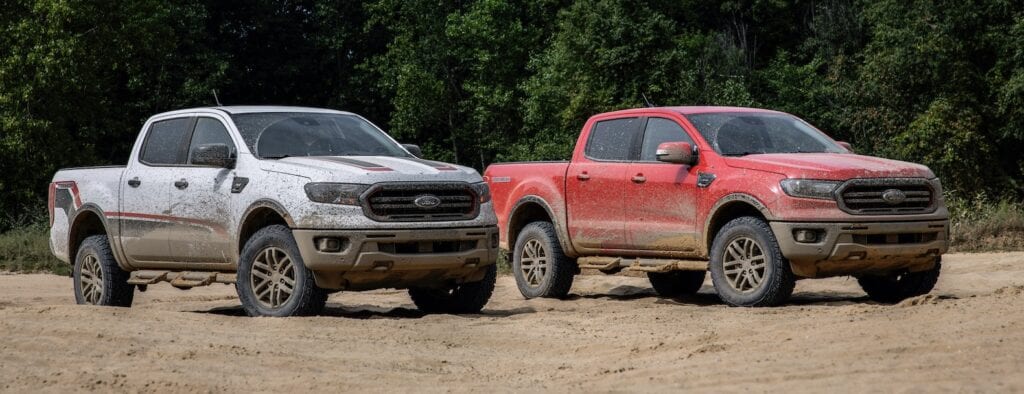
(676, 283)
(306, 298)
(777, 279)
(112, 283)
(894, 288)
(559, 269)
(460, 299)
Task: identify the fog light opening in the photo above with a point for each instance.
(494, 240)
(807, 236)
(329, 244)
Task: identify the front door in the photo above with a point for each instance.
(144, 211)
(595, 186)
(201, 203)
(664, 194)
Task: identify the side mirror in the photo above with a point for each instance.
(214, 155)
(845, 145)
(414, 149)
(677, 153)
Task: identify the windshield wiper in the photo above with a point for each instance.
(276, 157)
(741, 153)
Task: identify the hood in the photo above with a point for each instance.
(370, 169)
(831, 166)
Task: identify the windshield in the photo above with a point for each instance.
(739, 134)
(275, 135)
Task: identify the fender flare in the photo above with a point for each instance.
(259, 204)
(114, 240)
(722, 202)
(560, 226)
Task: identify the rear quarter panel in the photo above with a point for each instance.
(73, 191)
(513, 182)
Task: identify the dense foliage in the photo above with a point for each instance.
(938, 82)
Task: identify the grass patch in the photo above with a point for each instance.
(982, 225)
(27, 249)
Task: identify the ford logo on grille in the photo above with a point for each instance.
(893, 196)
(427, 201)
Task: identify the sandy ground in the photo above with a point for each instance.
(613, 334)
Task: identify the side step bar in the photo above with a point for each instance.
(180, 279)
(611, 265)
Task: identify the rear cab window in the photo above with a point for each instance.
(613, 139)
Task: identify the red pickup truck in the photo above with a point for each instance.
(760, 198)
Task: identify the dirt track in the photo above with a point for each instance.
(614, 334)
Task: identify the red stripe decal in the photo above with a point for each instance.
(217, 228)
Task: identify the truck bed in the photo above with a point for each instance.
(511, 182)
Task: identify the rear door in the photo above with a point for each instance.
(595, 185)
(145, 206)
(663, 196)
(201, 203)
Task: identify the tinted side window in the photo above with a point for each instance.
(165, 143)
(209, 131)
(612, 139)
(661, 130)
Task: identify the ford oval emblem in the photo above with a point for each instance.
(427, 201)
(893, 196)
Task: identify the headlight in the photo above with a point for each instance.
(335, 193)
(810, 188)
(482, 191)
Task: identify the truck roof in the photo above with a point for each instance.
(245, 109)
(690, 110)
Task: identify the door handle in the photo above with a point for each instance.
(134, 182)
(181, 184)
(583, 176)
(639, 178)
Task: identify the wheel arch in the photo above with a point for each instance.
(90, 220)
(730, 207)
(531, 209)
(260, 214)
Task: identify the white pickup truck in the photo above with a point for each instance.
(289, 204)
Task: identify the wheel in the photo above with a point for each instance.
(897, 287)
(98, 279)
(273, 280)
(676, 283)
(747, 267)
(539, 265)
(465, 298)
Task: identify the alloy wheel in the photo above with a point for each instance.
(533, 263)
(744, 264)
(272, 277)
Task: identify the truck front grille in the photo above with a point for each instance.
(887, 196)
(397, 202)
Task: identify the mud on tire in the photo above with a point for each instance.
(747, 266)
(272, 278)
(464, 298)
(539, 265)
(98, 280)
(894, 288)
(676, 283)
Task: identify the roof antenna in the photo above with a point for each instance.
(646, 101)
(215, 98)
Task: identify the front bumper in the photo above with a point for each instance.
(860, 248)
(399, 258)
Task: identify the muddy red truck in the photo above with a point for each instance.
(759, 198)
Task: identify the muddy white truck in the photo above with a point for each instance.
(288, 204)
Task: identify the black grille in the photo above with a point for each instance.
(868, 196)
(396, 202)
